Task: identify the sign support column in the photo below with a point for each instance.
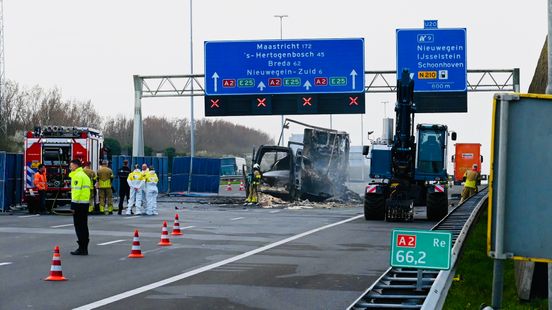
(138, 131)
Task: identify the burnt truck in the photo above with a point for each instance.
(314, 169)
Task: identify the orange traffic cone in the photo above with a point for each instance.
(164, 236)
(55, 271)
(176, 227)
(229, 186)
(136, 251)
(242, 187)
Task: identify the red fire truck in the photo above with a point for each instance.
(55, 147)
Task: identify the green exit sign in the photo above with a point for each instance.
(338, 81)
(423, 249)
(246, 83)
(292, 82)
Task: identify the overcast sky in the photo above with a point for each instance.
(91, 49)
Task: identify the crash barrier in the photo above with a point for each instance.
(205, 175)
(11, 180)
(161, 165)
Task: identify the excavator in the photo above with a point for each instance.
(411, 170)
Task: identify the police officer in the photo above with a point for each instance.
(80, 198)
(124, 188)
(151, 192)
(105, 176)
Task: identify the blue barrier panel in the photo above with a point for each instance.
(19, 177)
(205, 175)
(3, 202)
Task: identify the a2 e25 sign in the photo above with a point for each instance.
(421, 249)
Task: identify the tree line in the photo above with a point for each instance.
(25, 108)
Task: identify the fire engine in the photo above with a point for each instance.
(55, 147)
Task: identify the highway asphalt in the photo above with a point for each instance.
(228, 258)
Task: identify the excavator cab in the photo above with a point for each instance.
(431, 152)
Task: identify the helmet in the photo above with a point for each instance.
(256, 166)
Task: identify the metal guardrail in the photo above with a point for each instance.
(396, 288)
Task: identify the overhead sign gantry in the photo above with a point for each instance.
(322, 76)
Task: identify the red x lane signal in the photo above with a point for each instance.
(215, 103)
(261, 102)
(307, 101)
(353, 101)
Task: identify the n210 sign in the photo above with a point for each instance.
(421, 249)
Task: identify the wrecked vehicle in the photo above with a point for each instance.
(315, 169)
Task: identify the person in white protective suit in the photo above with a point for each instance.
(136, 183)
(151, 192)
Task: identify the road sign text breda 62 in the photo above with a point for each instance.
(293, 76)
(437, 59)
(421, 249)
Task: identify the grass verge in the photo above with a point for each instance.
(476, 272)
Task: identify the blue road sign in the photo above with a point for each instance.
(284, 67)
(436, 57)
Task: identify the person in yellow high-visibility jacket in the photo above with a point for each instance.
(105, 176)
(136, 182)
(151, 192)
(470, 183)
(256, 177)
(80, 198)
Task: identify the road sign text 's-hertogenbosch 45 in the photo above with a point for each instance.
(284, 67)
(422, 249)
(436, 57)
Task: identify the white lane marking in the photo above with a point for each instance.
(25, 216)
(111, 242)
(59, 226)
(237, 218)
(131, 217)
(275, 211)
(5, 263)
(145, 288)
(186, 227)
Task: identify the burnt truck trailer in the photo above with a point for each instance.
(315, 169)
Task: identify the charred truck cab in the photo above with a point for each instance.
(315, 169)
(411, 170)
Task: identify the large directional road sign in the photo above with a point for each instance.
(320, 66)
(437, 57)
(423, 249)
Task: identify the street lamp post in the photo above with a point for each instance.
(192, 122)
(281, 17)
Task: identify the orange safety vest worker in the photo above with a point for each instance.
(39, 181)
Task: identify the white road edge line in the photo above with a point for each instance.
(145, 288)
(237, 218)
(59, 226)
(25, 216)
(187, 227)
(5, 263)
(111, 242)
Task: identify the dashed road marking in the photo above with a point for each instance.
(275, 211)
(112, 242)
(237, 218)
(25, 216)
(187, 227)
(63, 225)
(131, 217)
(145, 288)
(5, 263)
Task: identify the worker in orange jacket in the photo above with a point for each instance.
(41, 185)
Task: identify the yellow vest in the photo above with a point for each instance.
(104, 177)
(471, 178)
(80, 186)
